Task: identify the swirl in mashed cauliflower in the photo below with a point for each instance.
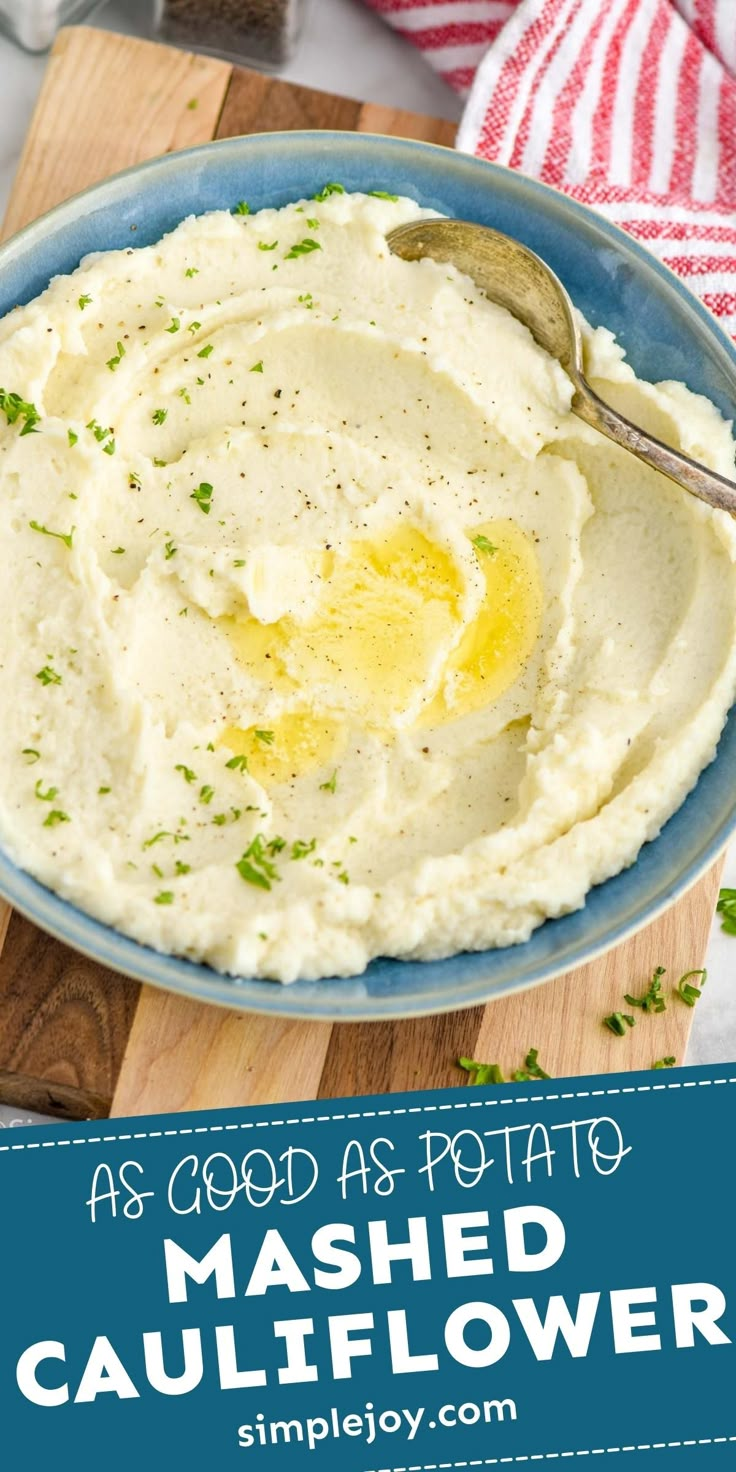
(326, 630)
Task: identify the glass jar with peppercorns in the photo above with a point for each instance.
(263, 32)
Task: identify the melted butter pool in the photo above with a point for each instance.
(386, 647)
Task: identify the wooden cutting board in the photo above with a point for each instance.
(78, 1040)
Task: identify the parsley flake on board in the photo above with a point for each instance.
(65, 537)
(726, 907)
(203, 497)
(15, 408)
(255, 867)
(686, 991)
(618, 1022)
(652, 1001)
(482, 1073)
(302, 248)
(665, 1062)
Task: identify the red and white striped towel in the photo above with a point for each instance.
(627, 105)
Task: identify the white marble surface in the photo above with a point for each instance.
(346, 48)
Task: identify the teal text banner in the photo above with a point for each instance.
(473, 1277)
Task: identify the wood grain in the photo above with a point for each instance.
(109, 102)
(65, 1025)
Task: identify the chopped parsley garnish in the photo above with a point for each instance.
(181, 868)
(192, 271)
(48, 676)
(165, 833)
(98, 430)
(665, 1062)
(186, 772)
(530, 1070)
(313, 224)
(482, 1073)
(343, 877)
(331, 784)
(174, 324)
(205, 351)
(618, 1022)
(689, 993)
(169, 551)
(192, 106)
(33, 755)
(484, 544)
(327, 191)
(381, 194)
(164, 897)
(194, 326)
(113, 363)
(109, 448)
(302, 248)
(183, 393)
(237, 764)
(159, 415)
(301, 850)
(262, 245)
(255, 867)
(652, 1001)
(48, 795)
(242, 208)
(55, 817)
(267, 737)
(103, 791)
(118, 551)
(72, 437)
(727, 908)
(206, 793)
(65, 537)
(203, 497)
(84, 301)
(15, 408)
(257, 367)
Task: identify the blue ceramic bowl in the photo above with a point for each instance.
(666, 333)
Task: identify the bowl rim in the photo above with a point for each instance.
(168, 971)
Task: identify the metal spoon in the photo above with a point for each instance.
(516, 278)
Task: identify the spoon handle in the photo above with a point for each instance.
(710, 487)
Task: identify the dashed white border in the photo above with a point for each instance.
(490, 1103)
(595, 1451)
